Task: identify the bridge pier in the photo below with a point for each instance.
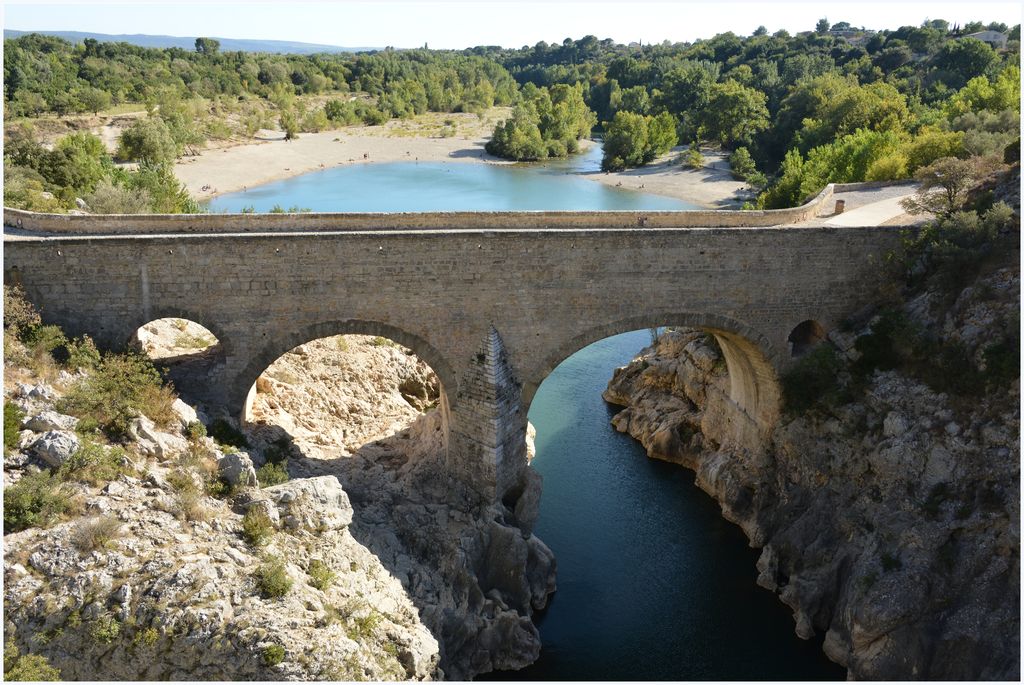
(487, 449)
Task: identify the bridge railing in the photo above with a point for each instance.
(149, 224)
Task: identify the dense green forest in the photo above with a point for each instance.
(835, 104)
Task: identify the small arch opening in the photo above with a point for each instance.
(189, 351)
(805, 337)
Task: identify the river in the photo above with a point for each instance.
(447, 186)
(653, 584)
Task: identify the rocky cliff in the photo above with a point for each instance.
(167, 560)
(887, 517)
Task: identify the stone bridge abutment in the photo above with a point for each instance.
(491, 310)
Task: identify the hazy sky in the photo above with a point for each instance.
(465, 23)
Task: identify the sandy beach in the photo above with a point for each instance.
(230, 169)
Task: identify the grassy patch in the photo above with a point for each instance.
(320, 575)
(192, 342)
(95, 533)
(361, 628)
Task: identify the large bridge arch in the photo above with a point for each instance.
(753, 378)
(239, 396)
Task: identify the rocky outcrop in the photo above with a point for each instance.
(889, 522)
(360, 416)
(397, 572)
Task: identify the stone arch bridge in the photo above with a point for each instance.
(493, 302)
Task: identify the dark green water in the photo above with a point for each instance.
(653, 584)
(447, 186)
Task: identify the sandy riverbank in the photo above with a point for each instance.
(218, 171)
(711, 187)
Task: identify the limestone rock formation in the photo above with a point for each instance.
(396, 572)
(887, 523)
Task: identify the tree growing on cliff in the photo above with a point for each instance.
(945, 184)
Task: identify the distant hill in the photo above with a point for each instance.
(189, 43)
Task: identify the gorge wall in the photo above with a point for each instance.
(888, 521)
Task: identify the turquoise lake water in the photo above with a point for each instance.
(447, 186)
(653, 584)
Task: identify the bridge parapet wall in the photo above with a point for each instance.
(149, 224)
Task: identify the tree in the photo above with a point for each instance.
(945, 184)
(289, 124)
(518, 137)
(625, 140)
(148, 140)
(94, 99)
(734, 113)
(661, 136)
(961, 60)
(207, 46)
(632, 139)
(742, 164)
(822, 26)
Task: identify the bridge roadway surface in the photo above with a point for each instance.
(492, 310)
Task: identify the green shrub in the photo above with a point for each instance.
(1002, 362)
(742, 164)
(122, 387)
(44, 339)
(226, 434)
(812, 380)
(195, 431)
(320, 575)
(949, 251)
(937, 496)
(105, 629)
(272, 579)
(38, 499)
(272, 474)
(94, 464)
(28, 667)
(694, 159)
(272, 655)
(257, 528)
(20, 315)
(82, 354)
(892, 341)
(13, 416)
(890, 563)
